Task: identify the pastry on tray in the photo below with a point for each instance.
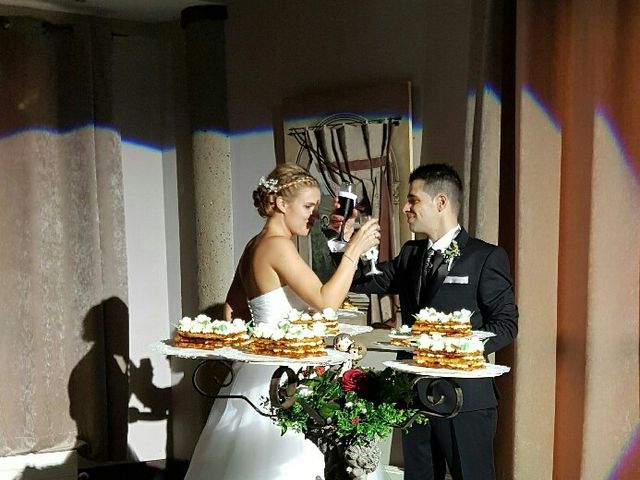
(286, 339)
(429, 320)
(203, 332)
(456, 353)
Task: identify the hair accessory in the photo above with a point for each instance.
(270, 185)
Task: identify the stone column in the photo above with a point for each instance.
(206, 83)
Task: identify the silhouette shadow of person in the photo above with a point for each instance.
(155, 399)
(99, 386)
(102, 382)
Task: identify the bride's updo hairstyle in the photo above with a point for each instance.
(284, 181)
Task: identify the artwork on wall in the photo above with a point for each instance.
(362, 136)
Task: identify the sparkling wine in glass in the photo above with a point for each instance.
(347, 199)
(370, 255)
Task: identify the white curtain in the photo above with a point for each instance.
(62, 250)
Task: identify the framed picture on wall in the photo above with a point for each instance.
(362, 136)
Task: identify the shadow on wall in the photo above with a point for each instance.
(99, 384)
(100, 387)
(102, 383)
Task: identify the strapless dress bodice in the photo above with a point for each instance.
(275, 305)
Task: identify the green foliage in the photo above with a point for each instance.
(357, 406)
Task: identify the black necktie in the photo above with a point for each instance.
(428, 264)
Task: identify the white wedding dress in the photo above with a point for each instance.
(237, 443)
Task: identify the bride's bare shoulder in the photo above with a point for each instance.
(275, 243)
(275, 251)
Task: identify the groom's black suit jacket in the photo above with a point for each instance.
(479, 280)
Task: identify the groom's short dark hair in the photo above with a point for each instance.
(440, 177)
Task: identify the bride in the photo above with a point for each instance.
(271, 278)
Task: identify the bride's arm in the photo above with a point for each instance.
(294, 271)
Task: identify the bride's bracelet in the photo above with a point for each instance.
(355, 264)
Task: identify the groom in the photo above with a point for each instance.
(429, 273)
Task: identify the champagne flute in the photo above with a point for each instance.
(347, 199)
(370, 255)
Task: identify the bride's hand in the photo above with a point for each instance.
(367, 236)
(335, 220)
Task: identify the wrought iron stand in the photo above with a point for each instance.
(436, 397)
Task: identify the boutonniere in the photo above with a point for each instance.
(450, 254)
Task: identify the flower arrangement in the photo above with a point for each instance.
(343, 411)
(357, 406)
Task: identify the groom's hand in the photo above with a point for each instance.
(336, 220)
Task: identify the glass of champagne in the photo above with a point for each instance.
(370, 255)
(347, 199)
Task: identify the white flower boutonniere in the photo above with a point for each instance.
(451, 253)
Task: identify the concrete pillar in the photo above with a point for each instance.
(207, 97)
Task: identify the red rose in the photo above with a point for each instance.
(320, 370)
(354, 380)
(355, 420)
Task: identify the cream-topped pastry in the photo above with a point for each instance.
(429, 320)
(203, 332)
(328, 317)
(438, 351)
(403, 330)
(286, 339)
(400, 337)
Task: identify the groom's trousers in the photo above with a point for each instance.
(465, 442)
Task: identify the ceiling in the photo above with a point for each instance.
(139, 10)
